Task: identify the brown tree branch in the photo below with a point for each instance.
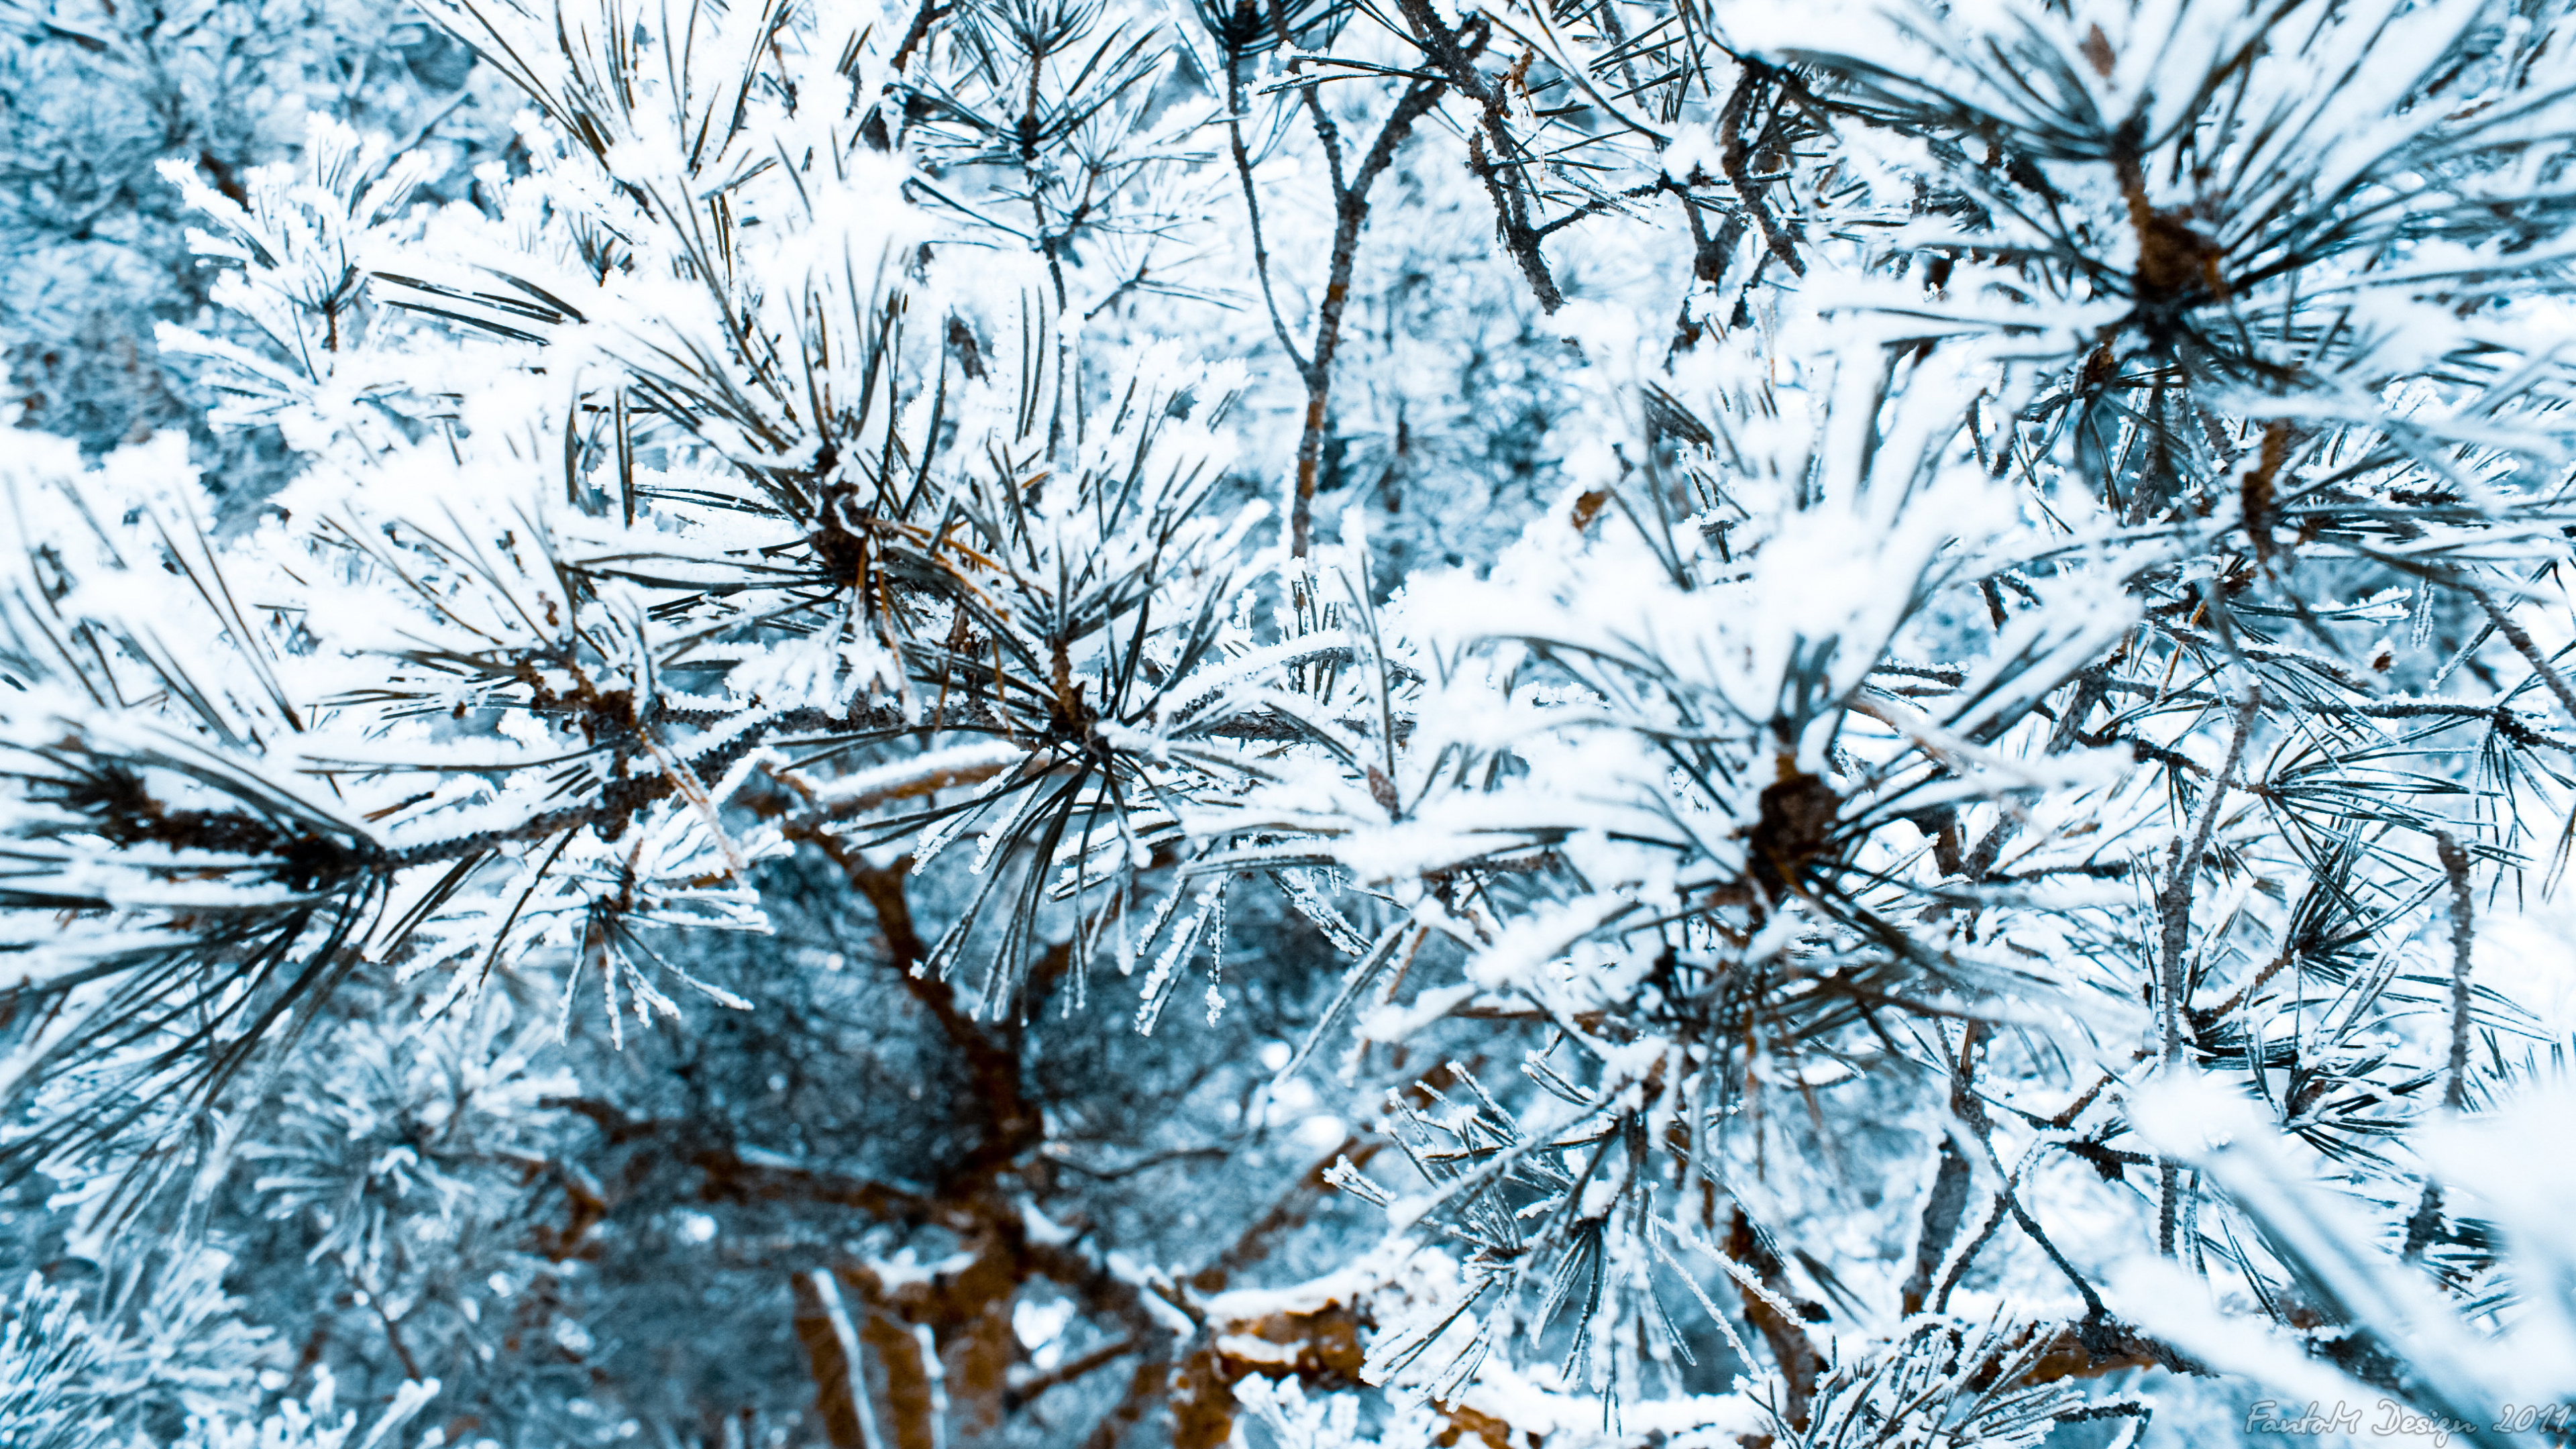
(1145, 1388)
(833, 1356)
(1350, 214)
(1070, 1370)
(1792, 1351)
(1285, 1215)
(1732, 155)
(1456, 61)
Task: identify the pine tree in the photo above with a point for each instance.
(1054, 721)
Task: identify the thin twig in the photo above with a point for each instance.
(1732, 154)
(1948, 1202)
(2182, 870)
(1511, 209)
(1252, 209)
(2523, 645)
(1350, 210)
(2425, 1223)
(1072, 1369)
(2455, 865)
